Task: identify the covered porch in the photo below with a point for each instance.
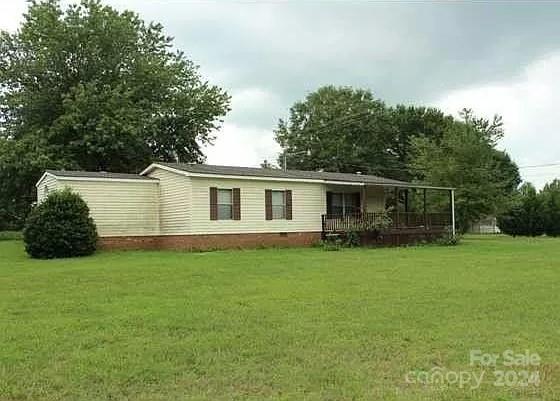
(389, 209)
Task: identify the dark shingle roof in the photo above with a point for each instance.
(275, 173)
(98, 174)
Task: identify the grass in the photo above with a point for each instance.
(10, 235)
(300, 324)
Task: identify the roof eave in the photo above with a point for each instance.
(410, 185)
(45, 175)
(148, 169)
(106, 179)
(153, 166)
(80, 178)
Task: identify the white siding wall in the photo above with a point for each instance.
(180, 205)
(119, 208)
(46, 186)
(174, 205)
(308, 204)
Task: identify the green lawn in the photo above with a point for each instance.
(301, 324)
(10, 235)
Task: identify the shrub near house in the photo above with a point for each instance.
(60, 226)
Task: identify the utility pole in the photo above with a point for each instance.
(285, 157)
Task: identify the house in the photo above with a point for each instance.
(198, 206)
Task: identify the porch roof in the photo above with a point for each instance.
(323, 176)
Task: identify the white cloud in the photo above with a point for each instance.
(242, 141)
(529, 106)
(11, 14)
(270, 54)
(242, 146)
(249, 97)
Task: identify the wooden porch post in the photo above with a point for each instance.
(396, 207)
(406, 217)
(452, 196)
(425, 211)
(364, 200)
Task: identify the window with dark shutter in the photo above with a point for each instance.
(278, 204)
(213, 203)
(288, 204)
(225, 204)
(268, 204)
(236, 204)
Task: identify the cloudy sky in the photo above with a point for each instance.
(496, 57)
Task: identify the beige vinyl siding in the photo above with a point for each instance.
(49, 184)
(375, 198)
(174, 204)
(308, 204)
(119, 208)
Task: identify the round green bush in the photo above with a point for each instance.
(60, 227)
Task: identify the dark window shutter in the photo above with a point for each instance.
(236, 204)
(288, 204)
(268, 204)
(329, 203)
(213, 203)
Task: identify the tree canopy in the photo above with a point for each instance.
(349, 130)
(550, 197)
(525, 215)
(89, 87)
(463, 158)
(340, 129)
(532, 212)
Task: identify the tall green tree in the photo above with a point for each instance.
(21, 162)
(525, 215)
(409, 122)
(466, 158)
(550, 198)
(93, 88)
(337, 129)
(348, 130)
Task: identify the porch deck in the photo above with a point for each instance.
(389, 223)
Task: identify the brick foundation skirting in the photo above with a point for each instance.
(211, 241)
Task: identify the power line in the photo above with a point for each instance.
(555, 164)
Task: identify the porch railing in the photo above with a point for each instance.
(384, 221)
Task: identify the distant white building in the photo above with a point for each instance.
(487, 225)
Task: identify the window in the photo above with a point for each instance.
(225, 204)
(337, 204)
(344, 204)
(351, 203)
(278, 204)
